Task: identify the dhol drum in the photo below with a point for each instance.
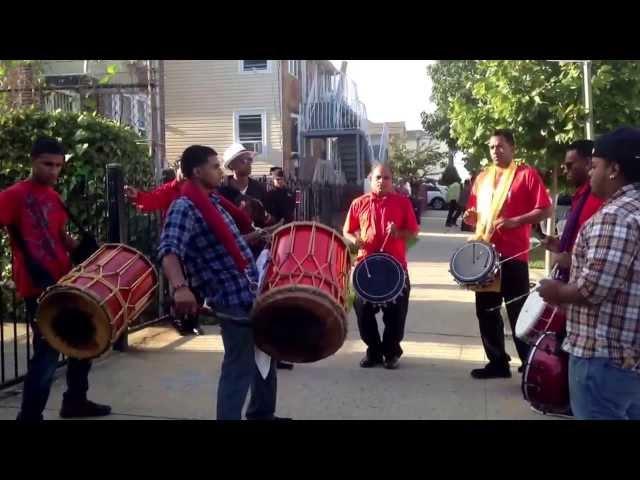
(538, 317)
(300, 312)
(90, 307)
(545, 382)
(475, 265)
(379, 279)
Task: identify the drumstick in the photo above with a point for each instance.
(520, 253)
(512, 300)
(366, 267)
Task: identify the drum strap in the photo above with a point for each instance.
(491, 198)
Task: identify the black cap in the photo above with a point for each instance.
(621, 145)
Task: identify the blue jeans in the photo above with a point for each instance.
(601, 390)
(42, 368)
(239, 372)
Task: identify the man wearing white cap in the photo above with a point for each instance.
(238, 159)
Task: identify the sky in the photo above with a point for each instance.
(392, 90)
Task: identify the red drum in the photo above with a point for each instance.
(545, 383)
(538, 317)
(300, 313)
(88, 309)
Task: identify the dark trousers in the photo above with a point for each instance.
(42, 368)
(515, 282)
(454, 212)
(394, 316)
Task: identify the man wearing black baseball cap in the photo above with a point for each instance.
(603, 293)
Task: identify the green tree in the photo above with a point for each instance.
(412, 163)
(449, 80)
(541, 101)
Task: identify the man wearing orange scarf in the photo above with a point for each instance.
(205, 257)
(506, 199)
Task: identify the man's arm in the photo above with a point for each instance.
(173, 245)
(351, 228)
(534, 216)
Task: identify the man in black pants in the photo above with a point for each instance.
(377, 220)
(34, 214)
(505, 201)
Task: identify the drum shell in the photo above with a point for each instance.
(550, 319)
(305, 286)
(112, 287)
(545, 381)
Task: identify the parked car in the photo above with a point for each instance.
(436, 196)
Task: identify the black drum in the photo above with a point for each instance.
(475, 264)
(379, 279)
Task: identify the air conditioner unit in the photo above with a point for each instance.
(70, 80)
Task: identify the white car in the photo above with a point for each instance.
(436, 196)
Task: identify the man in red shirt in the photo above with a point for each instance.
(527, 202)
(370, 219)
(584, 204)
(34, 214)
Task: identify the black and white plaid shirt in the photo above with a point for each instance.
(211, 271)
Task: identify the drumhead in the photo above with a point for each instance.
(473, 262)
(379, 278)
(530, 313)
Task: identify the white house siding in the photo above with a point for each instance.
(201, 97)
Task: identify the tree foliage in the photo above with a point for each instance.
(541, 101)
(414, 163)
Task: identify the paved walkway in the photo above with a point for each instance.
(165, 376)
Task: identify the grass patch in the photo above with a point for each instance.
(536, 258)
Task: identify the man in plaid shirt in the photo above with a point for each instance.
(199, 266)
(603, 293)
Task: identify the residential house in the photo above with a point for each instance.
(385, 135)
(259, 103)
(72, 84)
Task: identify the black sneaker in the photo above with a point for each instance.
(284, 366)
(82, 409)
(491, 371)
(368, 362)
(391, 363)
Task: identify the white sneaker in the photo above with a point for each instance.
(552, 414)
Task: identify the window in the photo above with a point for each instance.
(255, 65)
(130, 110)
(250, 130)
(64, 101)
(294, 134)
(294, 68)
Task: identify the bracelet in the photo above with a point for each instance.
(179, 286)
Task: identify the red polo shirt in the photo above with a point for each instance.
(527, 192)
(37, 212)
(370, 214)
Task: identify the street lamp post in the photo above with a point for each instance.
(588, 99)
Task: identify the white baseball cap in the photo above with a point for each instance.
(233, 152)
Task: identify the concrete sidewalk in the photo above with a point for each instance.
(165, 376)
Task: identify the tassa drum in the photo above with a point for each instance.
(379, 279)
(475, 265)
(538, 317)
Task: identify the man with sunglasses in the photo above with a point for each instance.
(239, 160)
(383, 220)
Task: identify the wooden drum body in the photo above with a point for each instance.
(300, 313)
(90, 307)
